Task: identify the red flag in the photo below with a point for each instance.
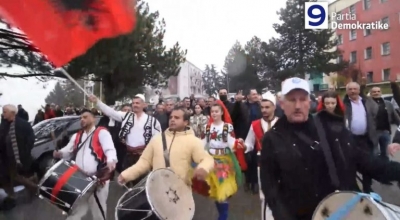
(65, 29)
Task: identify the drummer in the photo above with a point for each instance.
(183, 147)
(255, 135)
(93, 151)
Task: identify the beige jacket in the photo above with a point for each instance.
(185, 149)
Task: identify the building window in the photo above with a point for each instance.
(353, 57)
(386, 75)
(385, 20)
(352, 9)
(353, 34)
(385, 50)
(368, 53)
(339, 59)
(367, 32)
(367, 4)
(370, 77)
(340, 39)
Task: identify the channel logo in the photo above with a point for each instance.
(316, 15)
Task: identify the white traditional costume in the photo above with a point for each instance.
(135, 132)
(254, 138)
(91, 151)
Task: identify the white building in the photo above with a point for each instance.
(189, 81)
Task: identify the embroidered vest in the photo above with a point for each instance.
(224, 133)
(259, 133)
(127, 124)
(95, 146)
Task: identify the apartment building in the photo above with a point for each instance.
(375, 52)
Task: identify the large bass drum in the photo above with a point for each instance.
(64, 185)
(355, 206)
(162, 195)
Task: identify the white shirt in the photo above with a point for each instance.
(251, 136)
(135, 137)
(358, 124)
(84, 158)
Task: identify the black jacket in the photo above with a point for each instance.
(25, 141)
(291, 188)
(241, 118)
(371, 108)
(23, 114)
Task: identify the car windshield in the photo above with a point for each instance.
(45, 129)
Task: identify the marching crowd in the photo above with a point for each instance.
(292, 149)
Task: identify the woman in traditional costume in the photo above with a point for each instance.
(219, 140)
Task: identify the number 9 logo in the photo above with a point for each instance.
(321, 15)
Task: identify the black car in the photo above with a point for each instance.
(50, 135)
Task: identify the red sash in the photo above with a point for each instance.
(97, 149)
(259, 133)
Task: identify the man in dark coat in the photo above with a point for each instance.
(300, 167)
(161, 115)
(16, 142)
(244, 114)
(22, 113)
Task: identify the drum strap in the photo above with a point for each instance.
(165, 150)
(327, 153)
(81, 145)
(99, 205)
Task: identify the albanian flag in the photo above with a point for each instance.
(65, 29)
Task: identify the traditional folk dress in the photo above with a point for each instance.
(219, 140)
(135, 132)
(91, 151)
(253, 139)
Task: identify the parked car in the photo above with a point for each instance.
(50, 135)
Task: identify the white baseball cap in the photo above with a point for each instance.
(140, 96)
(269, 97)
(295, 83)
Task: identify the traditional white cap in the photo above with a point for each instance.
(141, 96)
(295, 83)
(269, 96)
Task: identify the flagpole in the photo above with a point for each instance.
(74, 81)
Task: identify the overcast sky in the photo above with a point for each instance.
(206, 28)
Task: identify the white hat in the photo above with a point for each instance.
(141, 97)
(295, 83)
(269, 96)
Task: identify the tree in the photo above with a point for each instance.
(212, 80)
(243, 66)
(16, 49)
(131, 61)
(57, 96)
(302, 51)
(128, 62)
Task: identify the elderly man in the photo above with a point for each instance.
(305, 158)
(361, 112)
(137, 127)
(16, 142)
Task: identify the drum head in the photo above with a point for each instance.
(366, 209)
(169, 196)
